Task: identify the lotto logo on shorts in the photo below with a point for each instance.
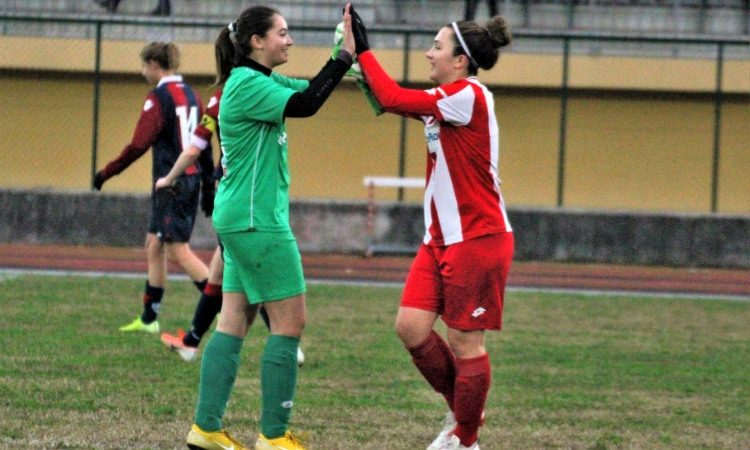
(478, 312)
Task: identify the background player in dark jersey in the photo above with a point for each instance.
(209, 303)
(168, 118)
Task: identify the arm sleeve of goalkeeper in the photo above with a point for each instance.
(309, 101)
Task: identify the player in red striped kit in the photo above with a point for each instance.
(460, 270)
(168, 118)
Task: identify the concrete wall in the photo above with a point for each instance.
(87, 218)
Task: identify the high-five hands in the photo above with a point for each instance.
(347, 42)
(359, 31)
(353, 27)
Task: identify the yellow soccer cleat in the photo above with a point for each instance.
(138, 325)
(285, 442)
(198, 439)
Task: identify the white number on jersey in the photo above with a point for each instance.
(188, 123)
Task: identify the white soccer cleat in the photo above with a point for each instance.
(455, 444)
(443, 439)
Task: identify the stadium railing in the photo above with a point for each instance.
(101, 28)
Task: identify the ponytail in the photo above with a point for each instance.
(224, 52)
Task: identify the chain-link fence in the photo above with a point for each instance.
(572, 106)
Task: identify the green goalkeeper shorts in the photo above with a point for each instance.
(265, 266)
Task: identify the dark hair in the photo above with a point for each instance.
(484, 43)
(224, 54)
(165, 54)
(235, 41)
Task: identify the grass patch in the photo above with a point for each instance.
(569, 372)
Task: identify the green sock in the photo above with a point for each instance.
(221, 360)
(278, 383)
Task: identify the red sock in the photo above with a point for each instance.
(436, 363)
(213, 289)
(473, 378)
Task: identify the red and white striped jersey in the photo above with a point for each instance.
(462, 194)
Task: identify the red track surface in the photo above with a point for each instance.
(394, 268)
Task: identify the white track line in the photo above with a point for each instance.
(13, 273)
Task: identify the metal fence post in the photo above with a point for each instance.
(97, 83)
(404, 124)
(717, 128)
(563, 122)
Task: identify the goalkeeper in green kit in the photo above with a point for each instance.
(251, 215)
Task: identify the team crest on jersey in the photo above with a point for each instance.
(148, 105)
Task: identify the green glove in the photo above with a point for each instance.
(374, 103)
(355, 71)
(338, 38)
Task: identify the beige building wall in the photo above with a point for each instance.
(639, 130)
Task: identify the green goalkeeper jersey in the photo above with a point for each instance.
(254, 192)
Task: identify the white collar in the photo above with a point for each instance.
(170, 79)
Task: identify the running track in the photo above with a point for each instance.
(393, 269)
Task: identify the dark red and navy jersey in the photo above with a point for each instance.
(168, 119)
(209, 124)
(207, 128)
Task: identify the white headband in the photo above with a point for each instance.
(463, 44)
(233, 32)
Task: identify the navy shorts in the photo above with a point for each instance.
(173, 209)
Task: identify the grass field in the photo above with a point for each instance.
(569, 372)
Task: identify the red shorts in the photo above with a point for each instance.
(464, 282)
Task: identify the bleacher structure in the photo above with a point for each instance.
(684, 17)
